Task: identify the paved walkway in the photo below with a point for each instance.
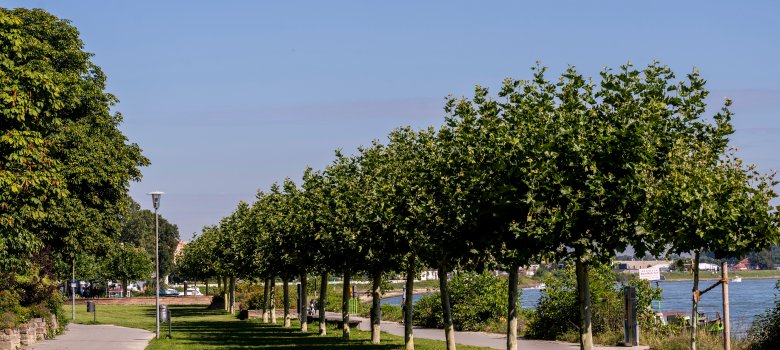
(489, 340)
(97, 337)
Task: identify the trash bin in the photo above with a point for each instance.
(90, 306)
(164, 315)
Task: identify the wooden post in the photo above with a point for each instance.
(695, 300)
(724, 270)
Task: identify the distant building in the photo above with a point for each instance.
(709, 267)
(742, 265)
(529, 270)
(179, 250)
(429, 274)
(634, 266)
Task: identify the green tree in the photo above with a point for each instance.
(340, 186)
(127, 263)
(138, 229)
(380, 240)
(442, 208)
(66, 166)
(407, 154)
(712, 203)
(504, 146)
(609, 141)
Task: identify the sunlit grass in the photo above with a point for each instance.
(195, 327)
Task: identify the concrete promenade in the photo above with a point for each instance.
(97, 337)
(489, 340)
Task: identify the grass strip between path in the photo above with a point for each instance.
(195, 327)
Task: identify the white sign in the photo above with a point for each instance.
(651, 274)
(73, 285)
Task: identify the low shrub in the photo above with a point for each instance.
(764, 333)
(29, 296)
(475, 300)
(557, 314)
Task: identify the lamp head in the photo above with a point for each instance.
(156, 198)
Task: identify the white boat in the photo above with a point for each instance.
(538, 286)
(736, 279)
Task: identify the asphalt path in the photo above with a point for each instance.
(488, 340)
(97, 337)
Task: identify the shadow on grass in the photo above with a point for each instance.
(199, 327)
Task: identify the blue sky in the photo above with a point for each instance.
(226, 97)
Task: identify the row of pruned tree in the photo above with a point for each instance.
(564, 169)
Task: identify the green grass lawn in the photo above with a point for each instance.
(195, 327)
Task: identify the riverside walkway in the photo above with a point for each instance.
(97, 337)
(490, 340)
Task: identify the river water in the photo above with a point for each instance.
(746, 299)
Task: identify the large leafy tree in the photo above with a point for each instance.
(406, 159)
(609, 140)
(341, 188)
(64, 165)
(441, 207)
(272, 217)
(127, 263)
(380, 239)
(504, 145)
(138, 229)
(710, 201)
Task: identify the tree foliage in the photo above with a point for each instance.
(566, 169)
(65, 167)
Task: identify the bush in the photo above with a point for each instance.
(392, 313)
(475, 300)
(30, 296)
(764, 333)
(557, 314)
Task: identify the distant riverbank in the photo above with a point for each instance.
(715, 275)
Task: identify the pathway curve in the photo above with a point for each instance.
(97, 337)
(489, 340)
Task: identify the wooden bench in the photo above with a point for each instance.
(335, 320)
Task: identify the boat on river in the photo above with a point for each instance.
(736, 279)
(539, 286)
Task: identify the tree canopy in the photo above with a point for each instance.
(565, 169)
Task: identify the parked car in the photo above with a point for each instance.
(193, 291)
(170, 292)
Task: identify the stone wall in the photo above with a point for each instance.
(10, 339)
(28, 333)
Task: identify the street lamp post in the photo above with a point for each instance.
(156, 202)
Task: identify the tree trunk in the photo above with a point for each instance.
(273, 300)
(286, 301)
(408, 308)
(376, 308)
(304, 298)
(345, 306)
(266, 296)
(511, 331)
(225, 293)
(449, 330)
(695, 306)
(321, 306)
(207, 286)
(232, 295)
(583, 293)
(124, 288)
